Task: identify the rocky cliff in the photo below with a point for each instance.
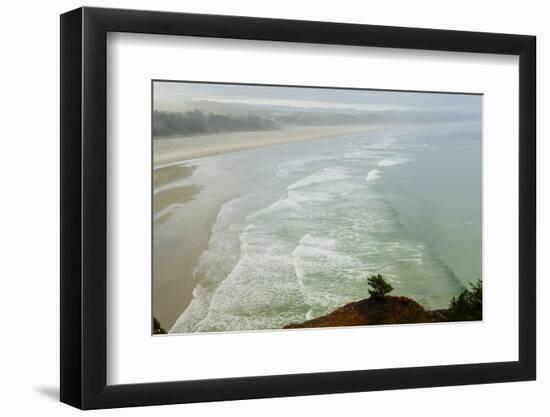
(157, 328)
(376, 310)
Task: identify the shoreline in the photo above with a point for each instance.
(170, 150)
(181, 238)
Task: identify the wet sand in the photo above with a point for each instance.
(176, 195)
(177, 244)
(169, 174)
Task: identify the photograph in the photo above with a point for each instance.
(287, 207)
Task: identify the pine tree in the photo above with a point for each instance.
(379, 286)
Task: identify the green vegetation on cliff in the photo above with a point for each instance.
(468, 305)
(381, 308)
(379, 286)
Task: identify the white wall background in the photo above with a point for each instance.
(29, 225)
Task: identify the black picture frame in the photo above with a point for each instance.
(84, 207)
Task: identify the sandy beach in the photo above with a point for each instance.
(174, 149)
(185, 211)
(178, 241)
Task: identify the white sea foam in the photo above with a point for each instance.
(324, 272)
(326, 175)
(388, 162)
(259, 281)
(286, 207)
(373, 175)
(309, 196)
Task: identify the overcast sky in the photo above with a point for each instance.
(180, 93)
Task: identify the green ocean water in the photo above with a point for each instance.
(310, 222)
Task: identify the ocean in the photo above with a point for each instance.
(305, 224)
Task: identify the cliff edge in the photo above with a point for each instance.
(375, 310)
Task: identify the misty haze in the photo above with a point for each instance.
(290, 207)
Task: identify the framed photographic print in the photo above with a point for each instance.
(256, 207)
